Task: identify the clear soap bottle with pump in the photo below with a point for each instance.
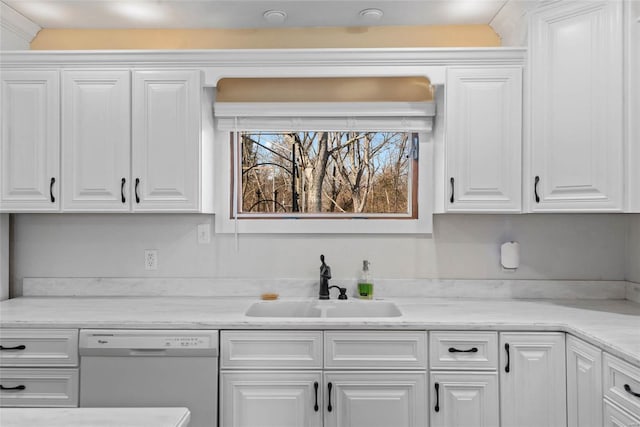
(365, 284)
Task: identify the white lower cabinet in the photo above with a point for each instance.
(617, 417)
(464, 399)
(281, 379)
(39, 368)
(584, 384)
(463, 379)
(271, 399)
(532, 379)
(375, 399)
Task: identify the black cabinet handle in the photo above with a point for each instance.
(53, 181)
(315, 386)
(329, 407)
(136, 190)
(455, 350)
(452, 181)
(506, 347)
(437, 408)
(18, 387)
(535, 188)
(627, 388)
(18, 347)
(122, 190)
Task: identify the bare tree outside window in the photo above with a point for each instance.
(327, 172)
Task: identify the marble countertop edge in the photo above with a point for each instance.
(611, 325)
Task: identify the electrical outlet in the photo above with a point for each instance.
(204, 233)
(150, 259)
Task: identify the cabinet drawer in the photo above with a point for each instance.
(39, 387)
(271, 349)
(621, 380)
(374, 349)
(38, 347)
(616, 417)
(463, 350)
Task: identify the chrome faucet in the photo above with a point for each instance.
(325, 275)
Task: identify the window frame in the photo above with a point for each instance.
(226, 222)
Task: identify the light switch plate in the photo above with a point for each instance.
(204, 233)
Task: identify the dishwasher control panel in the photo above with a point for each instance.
(109, 339)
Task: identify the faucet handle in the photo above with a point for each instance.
(343, 291)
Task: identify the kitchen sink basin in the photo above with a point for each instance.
(326, 309)
(283, 309)
(363, 309)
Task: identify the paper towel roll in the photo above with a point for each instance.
(510, 255)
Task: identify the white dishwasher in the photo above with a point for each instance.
(151, 368)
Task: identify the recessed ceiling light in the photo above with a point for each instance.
(371, 15)
(275, 16)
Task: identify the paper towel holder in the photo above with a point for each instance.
(510, 256)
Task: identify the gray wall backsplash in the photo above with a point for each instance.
(552, 247)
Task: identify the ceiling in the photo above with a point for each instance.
(249, 13)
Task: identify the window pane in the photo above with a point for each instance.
(326, 172)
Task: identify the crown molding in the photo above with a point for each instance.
(511, 21)
(220, 63)
(17, 24)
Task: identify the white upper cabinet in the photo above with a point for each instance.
(532, 380)
(576, 96)
(632, 54)
(30, 145)
(484, 139)
(166, 140)
(96, 142)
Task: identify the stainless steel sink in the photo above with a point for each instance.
(326, 309)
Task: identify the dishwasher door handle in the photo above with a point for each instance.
(147, 352)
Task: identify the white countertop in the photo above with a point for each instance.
(94, 417)
(613, 325)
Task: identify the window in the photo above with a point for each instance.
(344, 167)
(327, 174)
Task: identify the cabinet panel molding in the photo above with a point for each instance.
(576, 93)
(166, 140)
(584, 384)
(96, 140)
(30, 144)
(464, 399)
(532, 379)
(484, 139)
(375, 399)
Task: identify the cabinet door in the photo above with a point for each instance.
(575, 55)
(166, 140)
(30, 146)
(584, 384)
(632, 53)
(532, 380)
(96, 128)
(464, 399)
(484, 139)
(375, 399)
(271, 399)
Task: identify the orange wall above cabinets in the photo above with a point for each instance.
(356, 37)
